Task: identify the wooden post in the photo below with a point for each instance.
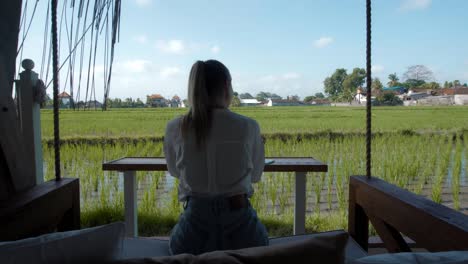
(30, 119)
(358, 222)
(130, 201)
(13, 171)
(300, 203)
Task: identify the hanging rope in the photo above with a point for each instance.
(55, 72)
(369, 88)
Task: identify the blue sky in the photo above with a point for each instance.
(285, 47)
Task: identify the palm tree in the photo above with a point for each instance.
(393, 80)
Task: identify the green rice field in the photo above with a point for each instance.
(422, 149)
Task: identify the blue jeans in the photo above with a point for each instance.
(209, 224)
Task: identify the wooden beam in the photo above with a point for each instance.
(431, 225)
(54, 205)
(358, 222)
(392, 239)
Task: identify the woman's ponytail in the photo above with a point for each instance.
(198, 116)
(205, 92)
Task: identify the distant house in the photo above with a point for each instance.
(93, 104)
(454, 91)
(319, 102)
(156, 100)
(414, 96)
(176, 102)
(281, 102)
(64, 99)
(250, 102)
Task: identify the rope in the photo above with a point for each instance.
(369, 85)
(55, 61)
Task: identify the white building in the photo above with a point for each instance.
(249, 102)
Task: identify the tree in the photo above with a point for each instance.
(235, 101)
(377, 86)
(389, 99)
(139, 103)
(319, 95)
(393, 80)
(465, 85)
(352, 82)
(294, 98)
(413, 83)
(334, 84)
(456, 83)
(262, 96)
(446, 85)
(309, 98)
(431, 86)
(246, 96)
(419, 73)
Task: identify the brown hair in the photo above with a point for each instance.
(206, 90)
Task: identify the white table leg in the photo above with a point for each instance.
(130, 200)
(300, 203)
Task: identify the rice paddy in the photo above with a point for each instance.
(421, 149)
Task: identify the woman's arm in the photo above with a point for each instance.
(169, 149)
(258, 154)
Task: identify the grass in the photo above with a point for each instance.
(420, 149)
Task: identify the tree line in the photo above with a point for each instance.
(342, 86)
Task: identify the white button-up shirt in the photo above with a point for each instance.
(231, 161)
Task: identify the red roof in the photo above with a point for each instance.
(63, 95)
(155, 96)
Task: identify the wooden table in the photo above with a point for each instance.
(129, 165)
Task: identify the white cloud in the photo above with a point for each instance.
(134, 66)
(408, 5)
(215, 49)
(169, 72)
(174, 46)
(142, 39)
(323, 42)
(143, 3)
(378, 68)
(291, 75)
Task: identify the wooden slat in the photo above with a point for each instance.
(392, 239)
(295, 164)
(41, 209)
(431, 225)
(358, 222)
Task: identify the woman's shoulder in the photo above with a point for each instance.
(174, 123)
(247, 121)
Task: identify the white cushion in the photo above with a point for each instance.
(452, 257)
(95, 244)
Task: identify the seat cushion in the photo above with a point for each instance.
(145, 247)
(352, 250)
(97, 244)
(452, 257)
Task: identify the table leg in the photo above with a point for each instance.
(300, 203)
(130, 201)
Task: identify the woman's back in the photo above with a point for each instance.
(226, 164)
(216, 154)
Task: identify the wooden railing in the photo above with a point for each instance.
(129, 166)
(395, 213)
(47, 207)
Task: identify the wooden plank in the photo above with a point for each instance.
(358, 222)
(392, 239)
(431, 225)
(53, 205)
(295, 164)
